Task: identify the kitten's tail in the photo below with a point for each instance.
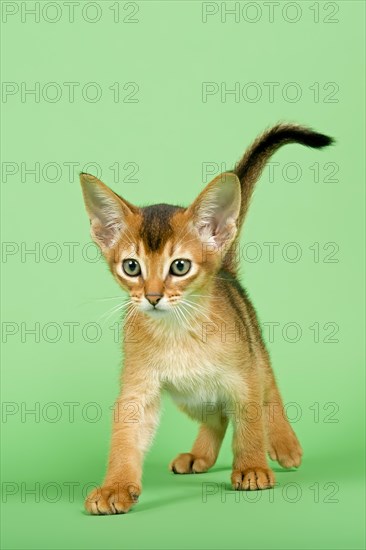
(256, 157)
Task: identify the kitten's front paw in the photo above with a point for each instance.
(187, 463)
(252, 479)
(116, 498)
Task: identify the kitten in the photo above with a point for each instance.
(195, 330)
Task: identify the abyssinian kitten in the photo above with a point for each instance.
(196, 333)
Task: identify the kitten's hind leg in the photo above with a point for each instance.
(205, 449)
(282, 443)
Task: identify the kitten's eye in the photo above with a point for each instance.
(131, 267)
(180, 267)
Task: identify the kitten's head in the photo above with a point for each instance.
(162, 254)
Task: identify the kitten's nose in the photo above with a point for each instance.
(153, 298)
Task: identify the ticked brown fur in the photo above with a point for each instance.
(195, 336)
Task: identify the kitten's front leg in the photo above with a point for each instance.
(250, 468)
(134, 423)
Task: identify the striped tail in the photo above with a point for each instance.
(254, 160)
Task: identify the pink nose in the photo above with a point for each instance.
(153, 298)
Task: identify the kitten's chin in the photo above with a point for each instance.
(156, 313)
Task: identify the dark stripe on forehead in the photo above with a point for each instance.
(156, 228)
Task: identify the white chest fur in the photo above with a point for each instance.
(197, 374)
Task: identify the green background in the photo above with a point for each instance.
(169, 132)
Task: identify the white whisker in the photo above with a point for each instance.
(194, 320)
(105, 317)
(198, 309)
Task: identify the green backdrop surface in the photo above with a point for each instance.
(156, 98)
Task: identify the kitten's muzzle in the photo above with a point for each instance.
(153, 298)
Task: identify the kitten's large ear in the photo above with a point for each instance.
(216, 210)
(108, 213)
